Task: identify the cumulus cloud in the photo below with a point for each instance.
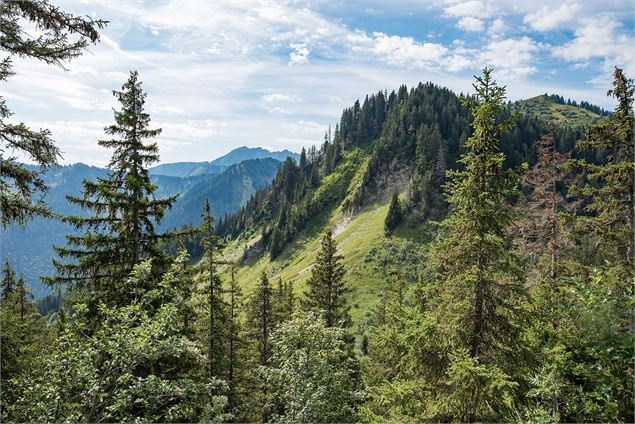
(470, 8)
(299, 55)
(512, 57)
(546, 19)
(471, 24)
(402, 51)
(599, 37)
(497, 28)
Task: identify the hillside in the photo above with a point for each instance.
(402, 142)
(31, 250)
(554, 108)
(218, 165)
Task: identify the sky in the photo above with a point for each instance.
(224, 74)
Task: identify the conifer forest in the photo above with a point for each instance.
(440, 252)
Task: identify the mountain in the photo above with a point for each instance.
(217, 166)
(185, 169)
(30, 250)
(402, 142)
(226, 192)
(244, 153)
(551, 107)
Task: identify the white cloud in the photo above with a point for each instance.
(470, 8)
(280, 97)
(599, 38)
(166, 110)
(512, 58)
(546, 19)
(497, 28)
(403, 51)
(86, 103)
(299, 55)
(471, 24)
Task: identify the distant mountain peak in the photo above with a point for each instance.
(220, 164)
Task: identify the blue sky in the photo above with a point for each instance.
(220, 75)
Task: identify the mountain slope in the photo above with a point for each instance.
(30, 250)
(226, 192)
(402, 142)
(554, 108)
(219, 165)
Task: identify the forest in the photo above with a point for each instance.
(436, 258)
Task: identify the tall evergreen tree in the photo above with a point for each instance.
(23, 339)
(611, 217)
(217, 305)
(19, 184)
(260, 323)
(235, 343)
(480, 275)
(395, 214)
(327, 289)
(121, 231)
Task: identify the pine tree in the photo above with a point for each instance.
(121, 231)
(22, 339)
(395, 214)
(19, 184)
(327, 290)
(217, 305)
(284, 300)
(611, 187)
(479, 274)
(235, 342)
(260, 318)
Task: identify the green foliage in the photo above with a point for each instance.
(138, 364)
(18, 183)
(121, 232)
(326, 294)
(23, 339)
(395, 214)
(311, 374)
(611, 218)
(481, 278)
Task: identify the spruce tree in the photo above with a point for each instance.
(61, 37)
(611, 188)
(217, 313)
(327, 290)
(260, 319)
(235, 342)
(121, 230)
(395, 214)
(22, 339)
(480, 276)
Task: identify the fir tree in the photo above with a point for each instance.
(23, 339)
(259, 327)
(235, 342)
(327, 290)
(479, 274)
(611, 190)
(61, 37)
(121, 231)
(395, 214)
(217, 306)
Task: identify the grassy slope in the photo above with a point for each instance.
(368, 256)
(549, 110)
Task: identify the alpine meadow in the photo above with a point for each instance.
(317, 212)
